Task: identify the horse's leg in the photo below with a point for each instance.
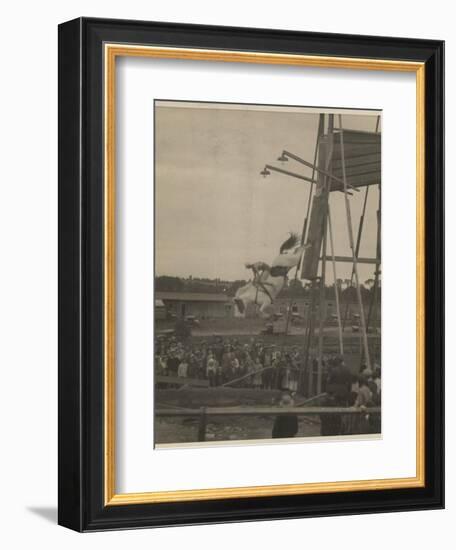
(242, 298)
(266, 309)
(239, 304)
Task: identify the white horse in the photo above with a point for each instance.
(268, 281)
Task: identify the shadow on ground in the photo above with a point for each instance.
(49, 513)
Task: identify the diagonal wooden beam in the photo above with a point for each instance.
(349, 259)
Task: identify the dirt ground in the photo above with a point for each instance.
(227, 428)
(252, 327)
(222, 428)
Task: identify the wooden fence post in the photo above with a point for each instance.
(202, 425)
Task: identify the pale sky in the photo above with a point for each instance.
(214, 211)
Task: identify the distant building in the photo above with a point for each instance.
(160, 309)
(301, 305)
(197, 304)
(202, 305)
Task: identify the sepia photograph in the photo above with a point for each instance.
(267, 273)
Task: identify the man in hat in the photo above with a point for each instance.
(285, 425)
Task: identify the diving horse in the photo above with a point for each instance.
(268, 281)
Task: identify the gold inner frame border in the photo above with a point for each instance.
(111, 53)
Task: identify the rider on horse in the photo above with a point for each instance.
(268, 281)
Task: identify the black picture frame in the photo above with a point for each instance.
(81, 471)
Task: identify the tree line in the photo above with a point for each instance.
(294, 289)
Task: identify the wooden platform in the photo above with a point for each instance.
(181, 381)
(265, 411)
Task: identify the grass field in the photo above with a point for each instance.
(234, 326)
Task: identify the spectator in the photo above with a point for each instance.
(267, 373)
(331, 424)
(339, 382)
(249, 381)
(227, 357)
(257, 378)
(211, 370)
(378, 380)
(364, 398)
(235, 368)
(182, 371)
(173, 365)
(285, 425)
(163, 365)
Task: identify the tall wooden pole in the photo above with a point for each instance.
(304, 227)
(336, 289)
(322, 313)
(373, 299)
(358, 244)
(326, 184)
(308, 365)
(352, 246)
(309, 342)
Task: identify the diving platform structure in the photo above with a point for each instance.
(345, 161)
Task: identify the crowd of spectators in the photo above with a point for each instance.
(345, 389)
(256, 364)
(259, 365)
(230, 362)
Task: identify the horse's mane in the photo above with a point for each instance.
(291, 242)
